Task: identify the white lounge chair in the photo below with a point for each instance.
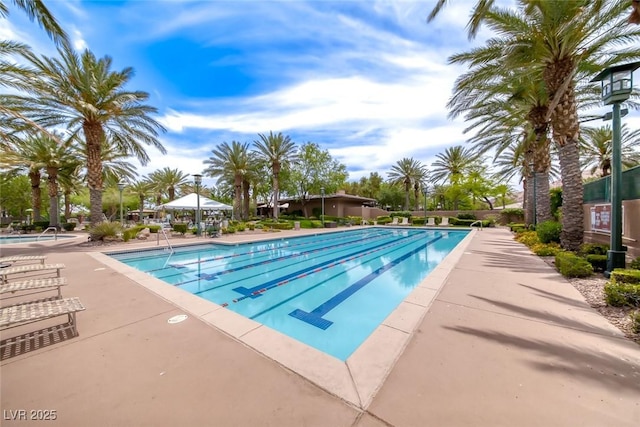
(405, 221)
(444, 222)
(395, 221)
(431, 222)
(25, 258)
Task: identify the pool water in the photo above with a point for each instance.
(6, 240)
(329, 291)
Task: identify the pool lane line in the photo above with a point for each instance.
(259, 273)
(315, 317)
(281, 281)
(270, 260)
(221, 257)
(310, 288)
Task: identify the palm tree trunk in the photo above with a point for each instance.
(54, 209)
(36, 200)
(543, 198)
(276, 202)
(572, 213)
(95, 138)
(245, 199)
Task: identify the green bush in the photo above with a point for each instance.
(251, 226)
(154, 228)
(466, 216)
(635, 264)
(417, 220)
(41, 224)
(516, 227)
(105, 229)
(571, 265)
(623, 288)
(594, 248)
(549, 231)
(382, 220)
(510, 215)
(241, 226)
(180, 228)
(69, 226)
(546, 249)
(129, 233)
(599, 262)
(620, 275)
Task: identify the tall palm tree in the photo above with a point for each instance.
(277, 151)
(230, 163)
(169, 179)
(142, 189)
(407, 172)
(596, 149)
(451, 164)
(84, 94)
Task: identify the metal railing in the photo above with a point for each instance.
(165, 238)
(55, 233)
(477, 222)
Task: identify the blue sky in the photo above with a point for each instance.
(367, 80)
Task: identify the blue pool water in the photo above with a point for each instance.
(6, 240)
(330, 291)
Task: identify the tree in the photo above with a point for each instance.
(314, 169)
(169, 179)
(277, 151)
(230, 163)
(451, 164)
(37, 11)
(596, 149)
(407, 172)
(85, 95)
(141, 189)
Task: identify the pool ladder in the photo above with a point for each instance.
(477, 222)
(55, 233)
(165, 238)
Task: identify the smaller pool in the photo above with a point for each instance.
(7, 240)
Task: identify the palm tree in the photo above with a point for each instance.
(475, 18)
(37, 11)
(277, 151)
(84, 94)
(407, 172)
(141, 189)
(596, 148)
(169, 179)
(230, 163)
(451, 164)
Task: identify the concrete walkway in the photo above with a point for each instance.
(507, 342)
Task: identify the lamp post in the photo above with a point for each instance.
(535, 195)
(425, 191)
(617, 83)
(197, 178)
(322, 194)
(121, 187)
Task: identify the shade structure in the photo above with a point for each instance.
(190, 201)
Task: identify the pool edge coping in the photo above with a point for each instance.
(356, 380)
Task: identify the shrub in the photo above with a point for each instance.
(546, 249)
(69, 226)
(516, 227)
(623, 288)
(635, 321)
(599, 262)
(251, 226)
(594, 248)
(41, 224)
(105, 229)
(571, 265)
(231, 229)
(180, 228)
(417, 220)
(129, 233)
(384, 220)
(466, 216)
(635, 264)
(241, 227)
(154, 228)
(528, 238)
(549, 231)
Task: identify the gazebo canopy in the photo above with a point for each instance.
(190, 201)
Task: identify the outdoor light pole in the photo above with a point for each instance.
(617, 83)
(425, 204)
(197, 178)
(121, 187)
(322, 194)
(535, 196)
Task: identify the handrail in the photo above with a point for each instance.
(55, 233)
(476, 222)
(165, 238)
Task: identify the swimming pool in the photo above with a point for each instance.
(329, 291)
(7, 240)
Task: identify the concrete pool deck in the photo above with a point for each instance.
(505, 341)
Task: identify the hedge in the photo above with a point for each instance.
(571, 265)
(623, 288)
